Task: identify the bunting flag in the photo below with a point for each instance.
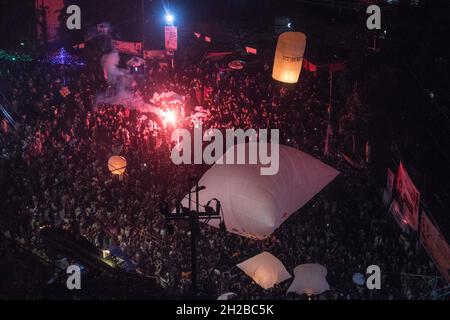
(208, 39)
(197, 35)
(396, 212)
(308, 65)
(351, 162)
(408, 197)
(79, 46)
(250, 50)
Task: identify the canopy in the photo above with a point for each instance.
(309, 278)
(265, 269)
(255, 205)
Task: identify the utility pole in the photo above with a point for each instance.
(143, 25)
(194, 217)
(374, 48)
(330, 108)
(143, 41)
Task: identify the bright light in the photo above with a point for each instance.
(289, 25)
(106, 253)
(169, 18)
(169, 116)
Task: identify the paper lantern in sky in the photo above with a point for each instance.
(265, 269)
(117, 165)
(255, 205)
(310, 278)
(289, 57)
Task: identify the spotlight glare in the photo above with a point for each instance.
(169, 18)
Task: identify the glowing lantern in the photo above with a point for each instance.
(117, 165)
(310, 278)
(265, 269)
(289, 57)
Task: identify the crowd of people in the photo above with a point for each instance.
(54, 172)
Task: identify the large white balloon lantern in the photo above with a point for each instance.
(310, 278)
(117, 165)
(255, 205)
(289, 57)
(265, 269)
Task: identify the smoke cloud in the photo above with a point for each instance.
(120, 89)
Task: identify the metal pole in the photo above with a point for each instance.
(142, 44)
(194, 227)
(143, 26)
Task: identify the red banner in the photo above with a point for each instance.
(408, 197)
(133, 48)
(436, 246)
(308, 65)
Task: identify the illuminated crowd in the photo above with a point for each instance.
(53, 171)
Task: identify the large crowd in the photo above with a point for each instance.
(54, 172)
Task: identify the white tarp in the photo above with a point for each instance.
(309, 278)
(265, 269)
(255, 205)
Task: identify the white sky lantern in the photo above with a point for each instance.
(255, 205)
(265, 269)
(289, 57)
(310, 278)
(117, 165)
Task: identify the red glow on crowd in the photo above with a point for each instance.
(169, 117)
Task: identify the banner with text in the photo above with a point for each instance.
(133, 48)
(171, 38)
